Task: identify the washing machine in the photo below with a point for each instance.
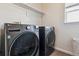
(20, 40)
(47, 40)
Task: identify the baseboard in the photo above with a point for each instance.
(65, 51)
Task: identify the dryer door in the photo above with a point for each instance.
(26, 44)
(51, 39)
(50, 43)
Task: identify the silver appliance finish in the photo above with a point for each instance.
(10, 37)
(47, 40)
(49, 43)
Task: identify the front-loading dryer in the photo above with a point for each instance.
(47, 40)
(20, 40)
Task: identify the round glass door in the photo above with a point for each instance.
(26, 44)
(51, 38)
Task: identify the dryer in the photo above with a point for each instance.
(47, 40)
(20, 40)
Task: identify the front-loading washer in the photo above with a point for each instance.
(20, 40)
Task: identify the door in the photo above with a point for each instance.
(26, 44)
(51, 38)
(50, 42)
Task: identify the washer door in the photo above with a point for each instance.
(26, 44)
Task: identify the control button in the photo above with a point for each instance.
(9, 36)
(37, 27)
(28, 27)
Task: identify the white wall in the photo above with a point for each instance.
(13, 13)
(64, 32)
